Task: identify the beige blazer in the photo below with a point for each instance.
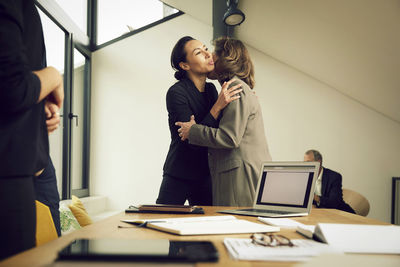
(235, 150)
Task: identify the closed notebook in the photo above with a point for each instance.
(207, 225)
(161, 208)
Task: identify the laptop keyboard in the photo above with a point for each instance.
(268, 211)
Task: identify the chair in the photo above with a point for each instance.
(357, 201)
(45, 228)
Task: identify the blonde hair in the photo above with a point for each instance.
(234, 60)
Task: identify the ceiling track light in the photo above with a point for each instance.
(233, 16)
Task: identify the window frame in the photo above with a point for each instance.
(75, 38)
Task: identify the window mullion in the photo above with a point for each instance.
(67, 134)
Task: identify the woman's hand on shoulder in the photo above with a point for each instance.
(226, 96)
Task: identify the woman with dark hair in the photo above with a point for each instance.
(186, 175)
(238, 146)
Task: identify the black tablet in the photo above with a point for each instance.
(139, 250)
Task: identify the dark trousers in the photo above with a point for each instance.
(47, 193)
(176, 191)
(17, 215)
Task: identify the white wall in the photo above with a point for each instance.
(130, 135)
(301, 113)
(352, 45)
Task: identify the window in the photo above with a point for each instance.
(77, 11)
(70, 143)
(119, 17)
(70, 28)
(79, 140)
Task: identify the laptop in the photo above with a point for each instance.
(285, 189)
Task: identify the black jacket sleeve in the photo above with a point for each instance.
(179, 108)
(19, 87)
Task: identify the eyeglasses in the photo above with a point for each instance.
(271, 240)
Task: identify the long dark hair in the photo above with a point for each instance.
(178, 55)
(234, 59)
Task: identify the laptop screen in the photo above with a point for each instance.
(288, 186)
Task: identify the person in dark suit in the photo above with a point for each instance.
(25, 85)
(328, 189)
(186, 175)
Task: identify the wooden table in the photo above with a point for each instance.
(108, 228)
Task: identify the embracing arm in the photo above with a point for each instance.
(179, 108)
(231, 127)
(227, 95)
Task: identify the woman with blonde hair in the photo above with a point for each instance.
(238, 146)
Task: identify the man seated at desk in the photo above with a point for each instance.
(328, 189)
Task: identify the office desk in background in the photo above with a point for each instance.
(108, 228)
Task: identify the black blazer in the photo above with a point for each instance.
(332, 194)
(187, 161)
(24, 147)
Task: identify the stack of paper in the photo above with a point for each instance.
(244, 249)
(360, 238)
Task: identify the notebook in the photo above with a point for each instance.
(204, 225)
(285, 189)
(169, 209)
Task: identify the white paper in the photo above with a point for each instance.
(362, 238)
(354, 260)
(245, 249)
(282, 222)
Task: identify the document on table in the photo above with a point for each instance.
(245, 249)
(205, 225)
(356, 260)
(282, 222)
(360, 238)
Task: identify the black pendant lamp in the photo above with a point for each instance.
(233, 16)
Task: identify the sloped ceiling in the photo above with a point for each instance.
(200, 9)
(351, 45)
